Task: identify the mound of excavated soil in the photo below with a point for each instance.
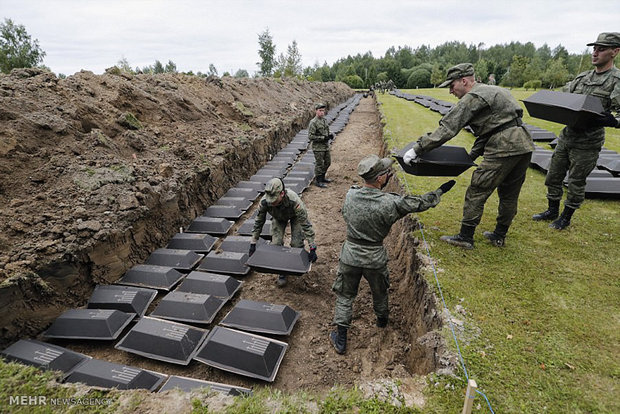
(86, 196)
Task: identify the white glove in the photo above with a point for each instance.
(409, 156)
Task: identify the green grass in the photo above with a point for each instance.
(545, 306)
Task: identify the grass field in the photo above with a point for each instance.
(542, 316)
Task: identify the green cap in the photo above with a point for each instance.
(320, 105)
(372, 166)
(457, 72)
(610, 39)
(273, 189)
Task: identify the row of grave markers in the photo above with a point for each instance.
(603, 181)
(205, 283)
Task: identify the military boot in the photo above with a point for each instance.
(550, 214)
(464, 239)
(564, 220)
(338, 338)
(318, 181)
(325, 179)
(382, 322)
(497, 237)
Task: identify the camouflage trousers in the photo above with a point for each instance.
(347, 284)
(323, 160)
(278, 228)
(505, 174)
(579, 163)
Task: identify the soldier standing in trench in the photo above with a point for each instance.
(578, 147)
(319, 135)
(284, 206)
(369, 214)
(495, 116)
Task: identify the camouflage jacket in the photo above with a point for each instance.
(485, 108)
(318, 130)
(605, 86)
(369, 214)
(290, 208)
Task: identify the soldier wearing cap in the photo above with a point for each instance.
(369, 214)
(284, 206)
(319, 135)
(578, 147)
(495, 117)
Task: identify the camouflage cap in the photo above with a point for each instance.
(611, 39)
(273, 189)
(457, 72)
(320, 105)
(372, 166)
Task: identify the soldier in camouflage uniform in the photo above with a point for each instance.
(284, 206)
(495, 117)
(578, 147)
(369, 214)
(319, 135)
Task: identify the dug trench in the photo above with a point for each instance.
(411, 344)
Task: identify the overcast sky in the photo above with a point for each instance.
(96, 34)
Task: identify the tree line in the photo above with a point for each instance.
(514, 64)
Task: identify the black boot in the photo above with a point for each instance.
(464, 239)
(318, 181)
(550, 214)
(382, 322)
(325, 179)
(497, 237)
(338, 338)
(564, 220)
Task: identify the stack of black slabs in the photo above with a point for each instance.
(210, 225)
(603, 187)
(196, 242)
(98, 324)
(246, 229)
(261, 179)
(45, 356)
(229, 263)
(570, 109)
(246, 189)
(283, 159)
(221, 286)
(269, 258)
(609, 163)
(262, 317)
(99, 373)
(308, 175)
(226, 212)
(188, 307)
(151, 276)
(175, 258)
(242, 353)
(241, 202)
(554, 143)
(239, 244)
(272, 172)
(163, 340)
(542, 135)
(296, 183)
(192, 384)
(127, 299)
(444, 161)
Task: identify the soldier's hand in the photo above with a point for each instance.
(447, 186)
(608, 120)
(312, 257)
(252, 249)
(409, 156)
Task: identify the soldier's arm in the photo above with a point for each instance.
(416, 203)
(306, 226)
(313, 132)
(615, 102)
(459, 116)
(259, 222)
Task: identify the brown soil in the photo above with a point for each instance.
(68, 228)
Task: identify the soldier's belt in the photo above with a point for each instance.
(514, 123)
(364, 242)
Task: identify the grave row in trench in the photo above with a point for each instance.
(603, 181)
(198, 272)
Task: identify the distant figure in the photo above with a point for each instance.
(491, 79)
(495, 117)
(369, 214)
(578, 147)
(319, 135)
(285, 207)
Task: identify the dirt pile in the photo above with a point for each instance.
(96, 171)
